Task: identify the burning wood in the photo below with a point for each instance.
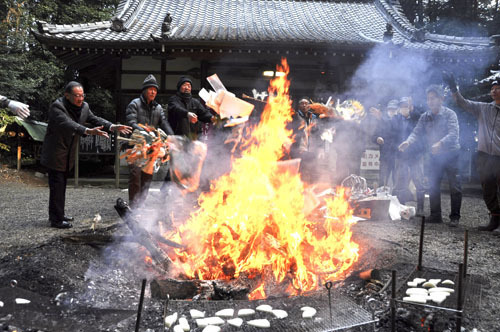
(253, 223)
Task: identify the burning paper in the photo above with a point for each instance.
(187, 161)
(225, 103)
(149, 148)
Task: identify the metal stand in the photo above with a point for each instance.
(462, 276)
(393, 301)
(421, 245)
(139, 310)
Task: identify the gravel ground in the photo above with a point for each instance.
(105, 276)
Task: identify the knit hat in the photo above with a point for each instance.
(495, 82)
(393, 104)
(149, 82)
(183, 80)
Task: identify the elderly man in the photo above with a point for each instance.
(386, 136)
(185, 112)
(438, 128)
(16, 107)
(68, 117)
(144, 110)
(488, 156)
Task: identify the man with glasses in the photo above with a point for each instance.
(68, 116)
(488, 155)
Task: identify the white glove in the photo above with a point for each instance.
(380, 140)
(19, 109)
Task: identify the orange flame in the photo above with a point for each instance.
(252, 221)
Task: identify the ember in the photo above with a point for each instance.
(253, 220)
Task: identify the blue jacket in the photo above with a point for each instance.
(432, 128)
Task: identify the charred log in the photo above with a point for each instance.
(176, 289)
(158, 255)
(234, 289)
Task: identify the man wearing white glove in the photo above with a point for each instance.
(16, 107)
(488, 149)
(68, 117)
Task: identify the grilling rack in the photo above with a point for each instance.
(346, 313)
(466, 295)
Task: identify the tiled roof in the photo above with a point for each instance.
(298, 22)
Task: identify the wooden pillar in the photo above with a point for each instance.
(77, 160)
(204, 74)
(163, 76)
(18, 150)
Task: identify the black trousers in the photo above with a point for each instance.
(441, 164)
(138, 185)
(488, 167)
(57, 195)
(409, 169)
(387, 167)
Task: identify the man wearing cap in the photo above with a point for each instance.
(68, 117)
(409, 163)
(438, 130)
(386, 136)
(144, 110)
(488, 156)
(185, 112)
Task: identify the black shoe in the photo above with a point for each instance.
(60, 224)
(494, 223)
(434, 220)
(454, 222)
(66, 218)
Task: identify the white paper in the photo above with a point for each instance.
(204, 94)
(216, 83)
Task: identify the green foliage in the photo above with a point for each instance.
(5, 119)
(29, 73)
(456, 17)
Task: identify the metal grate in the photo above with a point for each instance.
(472, 289)
(345, 313)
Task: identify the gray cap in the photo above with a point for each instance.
(149, 82)
(393, 104)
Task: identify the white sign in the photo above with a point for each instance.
(370, 160)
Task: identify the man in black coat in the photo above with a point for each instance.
(386, 136)
(68, 116)
(185, 112)
(144, 110)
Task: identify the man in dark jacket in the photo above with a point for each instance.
(488, 154)
(67, 118)
(185, 112)
(438, 129)
(144, 110)
(409, 164)
(386, 136)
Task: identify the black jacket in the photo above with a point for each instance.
(388, 129)
(138, 111)
(66, 123)
(178, 108)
